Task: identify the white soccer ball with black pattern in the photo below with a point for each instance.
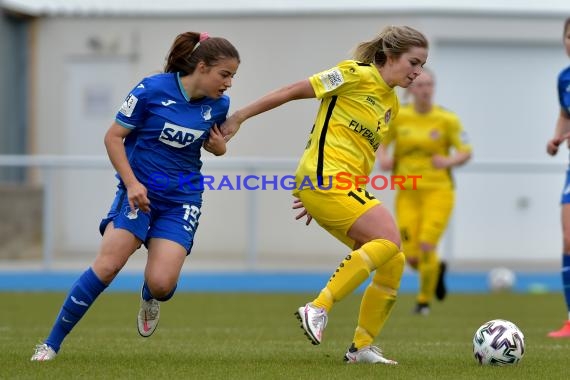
(498, 342)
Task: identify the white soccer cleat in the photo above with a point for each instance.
(43, 353)
(149, 315)
(313, 321)
(367, 354)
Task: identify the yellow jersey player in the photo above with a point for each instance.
(357, 102)
(428, 141)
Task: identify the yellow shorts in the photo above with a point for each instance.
(337, 210)
(422, 216)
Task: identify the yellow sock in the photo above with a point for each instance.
(354, 270)
(378, 301)
(429, 271)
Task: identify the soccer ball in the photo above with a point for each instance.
(498, 342)
(501, 279)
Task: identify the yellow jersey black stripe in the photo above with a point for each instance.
(353, 117)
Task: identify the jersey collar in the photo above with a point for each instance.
(181, 87)
(381, 80)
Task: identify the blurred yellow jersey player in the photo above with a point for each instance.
(428, 141)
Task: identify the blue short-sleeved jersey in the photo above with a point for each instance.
(168, 130)
(564, 99)
(564, 90)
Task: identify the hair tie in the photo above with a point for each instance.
(203, 37)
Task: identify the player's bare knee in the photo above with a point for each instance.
(161, 289)
(106, 270)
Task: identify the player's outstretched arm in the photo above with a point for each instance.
(297, 90)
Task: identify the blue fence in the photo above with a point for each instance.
(29, 281)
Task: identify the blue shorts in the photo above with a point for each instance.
(173, 221)
(566, 191)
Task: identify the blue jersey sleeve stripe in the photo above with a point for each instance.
(126, 125)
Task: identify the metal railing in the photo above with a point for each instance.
(50, 164)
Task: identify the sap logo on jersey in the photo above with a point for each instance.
(177, 136)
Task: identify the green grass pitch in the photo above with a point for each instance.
(256, 336)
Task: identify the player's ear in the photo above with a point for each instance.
(201, 67)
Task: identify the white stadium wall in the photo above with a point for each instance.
(497, 72)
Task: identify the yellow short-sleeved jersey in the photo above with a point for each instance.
(356, 108)
(417, 137)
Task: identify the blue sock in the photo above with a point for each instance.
(82, 294)
(147, 295)
(566, 278)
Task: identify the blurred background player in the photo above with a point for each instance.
(428, 142)
(358, 101)
(157, 136)
(561, 133)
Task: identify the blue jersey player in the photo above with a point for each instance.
(155, 146)
(561, 133)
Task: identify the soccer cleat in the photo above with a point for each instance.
(313, 321)
(421, 309)
(441, 290)
(149, 315)
(43, 353)
(367, 354)
(564, 332)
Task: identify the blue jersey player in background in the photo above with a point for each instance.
(561, 133)
(155, 146)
